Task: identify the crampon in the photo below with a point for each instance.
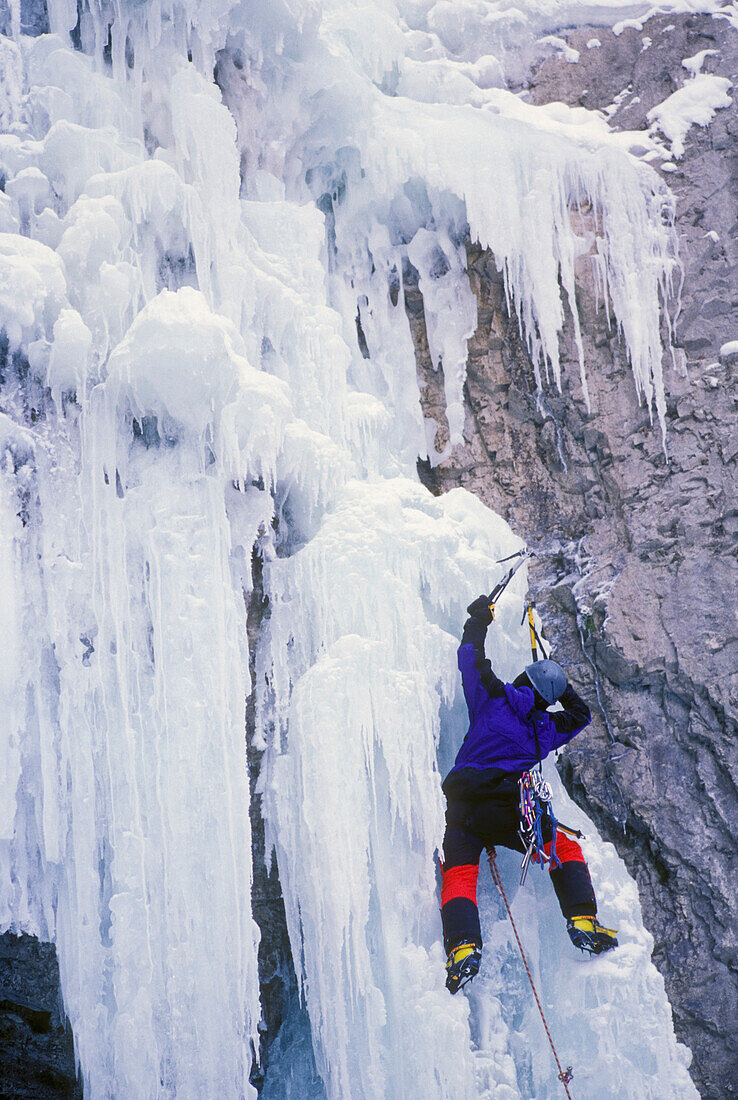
(462, 966)
(586, 934)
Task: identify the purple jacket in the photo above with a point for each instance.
(505, 729)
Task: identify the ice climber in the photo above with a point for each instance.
(509, 733)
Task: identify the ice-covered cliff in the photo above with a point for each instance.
(206, 358)
(639, 580)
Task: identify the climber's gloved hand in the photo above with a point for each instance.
(479, 609)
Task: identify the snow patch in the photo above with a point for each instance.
(561, 46)
(694, 104)
(694, 64)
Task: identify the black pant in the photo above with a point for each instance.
(484, 818)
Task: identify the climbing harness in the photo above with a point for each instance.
(522, 556)
(565, 1075)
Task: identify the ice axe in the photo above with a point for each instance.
(518, 559)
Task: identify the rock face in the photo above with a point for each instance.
(637, 575)
(36, 1047)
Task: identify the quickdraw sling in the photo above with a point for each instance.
(535, 807)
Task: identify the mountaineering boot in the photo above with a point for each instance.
(586, 934)
(463, 964)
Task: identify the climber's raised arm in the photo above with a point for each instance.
(479, 681)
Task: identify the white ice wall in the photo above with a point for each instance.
(182, 382)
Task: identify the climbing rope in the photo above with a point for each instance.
(566, 1075)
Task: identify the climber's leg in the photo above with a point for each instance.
(571, 880)
(576, 896)
(459, 913)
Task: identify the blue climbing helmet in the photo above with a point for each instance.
(548, 678)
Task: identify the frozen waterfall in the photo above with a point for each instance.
(205, 356)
